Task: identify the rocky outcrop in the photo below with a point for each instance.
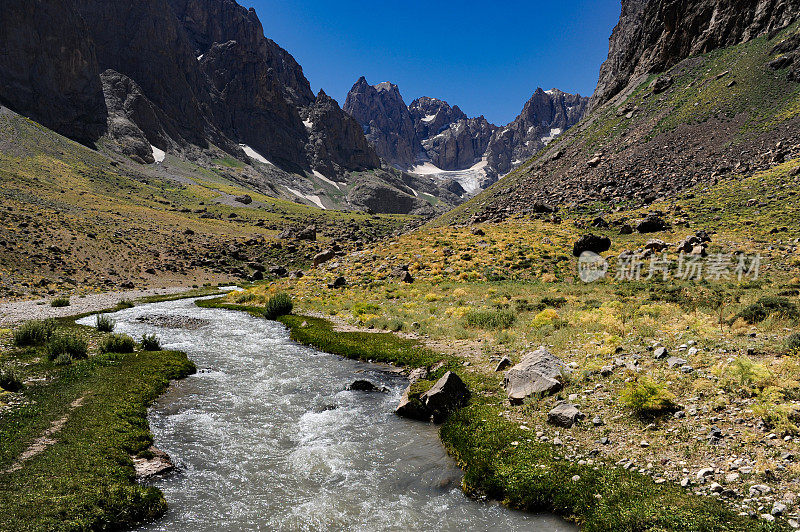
(134, 122)
(432, 116)
(538, 373)
(652, 36)
(544, 117)
(460, 145)
(49, 70)
(564, 415)
(386, 121)
(448, 394)
(336, 142)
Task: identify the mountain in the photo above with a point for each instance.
(679, 105)
(545, 116)
(430, 137)
(653, 36)
(387, 122)
(193, 80)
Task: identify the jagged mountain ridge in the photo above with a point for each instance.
(193, 79)
(726, 114)
(431, 137)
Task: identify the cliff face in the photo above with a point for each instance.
(386, 120)
(654, 35)
(545, 116)
(49, 70)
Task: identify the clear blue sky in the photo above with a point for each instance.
(486, 57)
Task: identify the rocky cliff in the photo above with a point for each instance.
(544, 117)
(386, 120)
(460, 144)
(654, 35)
(49, 70)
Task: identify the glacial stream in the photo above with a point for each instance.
(265, 437)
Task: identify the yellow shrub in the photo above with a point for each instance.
(549, 278)
(431, 297)
(459, 292)
(545, 317)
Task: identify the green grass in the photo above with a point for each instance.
(530, 476)
(117, 343)
(85, 480)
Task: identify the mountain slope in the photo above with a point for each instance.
(728, 112)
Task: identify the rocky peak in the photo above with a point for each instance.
(336, 141)
(431, 116)
(654, 35)
(386, 120)
(544, 117)
(460, 145)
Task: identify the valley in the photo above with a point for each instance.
(377, 313)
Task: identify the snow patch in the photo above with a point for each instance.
(200, 57)
(313, 198)
(158, 155)
(553, 134)
(253, 154)
(319, 175)
(429, 118)
(309, 124)
(469, 179)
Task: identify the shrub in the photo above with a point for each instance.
(125, 303)
(68, 346)
(745, 373)
(104, 323)
(647, 398)
(489, 319)
(546, 317)
(793, 343)
(555, 302)
(151, 342)
(60, 302)
(277, 306)
(117, 343)
(35, 332)
(766, 306)
(9, 380)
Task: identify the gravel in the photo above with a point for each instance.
(11, 313)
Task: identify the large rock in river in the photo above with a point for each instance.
(538, 373)
(448, 394)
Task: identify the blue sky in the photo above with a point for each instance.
(485, 57)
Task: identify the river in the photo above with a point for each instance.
(266, 437)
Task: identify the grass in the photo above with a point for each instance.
(501, 462)
(34, 332)
(85, 480)
(104, 323)
(66, 347)
(117, 343)
(529, 475)
(277, 306)
(150, 342)
(60, 302)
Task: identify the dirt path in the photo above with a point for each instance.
(44, 441)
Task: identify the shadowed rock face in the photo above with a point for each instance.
(336, 141)
(654, 35)
(386, 121)
(461, 144)
(144, 41)
(48, 68)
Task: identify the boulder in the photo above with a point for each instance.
(448, 394)
(659, 353)
(661, 84)
(676, 361)
(564, 414)
(362, 385)
(538, 372)
(309, 233)
(339, 282)
(323, 257)
(591, 242)
(504, 363)
(652, 223)
(245, 199)
(159, 464)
